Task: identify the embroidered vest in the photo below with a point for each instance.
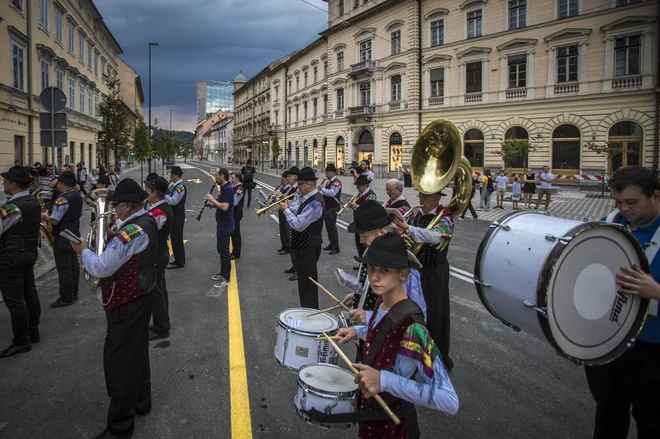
(362, 198)
(164, 232)
(239, 187)
(330, 202)
(398, 204)
(71, 219)
(180, 209)
(311, 236)
(24, 235)
(429, 255)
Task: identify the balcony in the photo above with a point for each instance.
(567, 88)
(339, 114)
(362, 68)
(516, 93)
(363, 111)
(627, 83)
(395, 106)
(473, 98)
(436, 101)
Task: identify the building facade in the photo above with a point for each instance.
(131, 93)
(557, 73)
(218, 141)
(213, 96)
(61, 43)
(200, 138)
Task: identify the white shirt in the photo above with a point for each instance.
(544, 184)
(502, 180)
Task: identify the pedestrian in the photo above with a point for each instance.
(529, 188)
(19, 242)
(127, 269)
(487, 183)
(515, 192)
(236, 241)
(45, 180)
(178, 202)
(363, 170)
(224, 220)
(248, 179)
(546, 187)
(502, 181)
(93, 179)
(469, 206)
(114, 178)
(81, 177)
(331, 198)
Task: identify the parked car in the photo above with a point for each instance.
(170, 162)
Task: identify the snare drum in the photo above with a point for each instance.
(555, 279)
(327, 389)
(296, 338)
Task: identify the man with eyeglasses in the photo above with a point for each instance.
(396, 200)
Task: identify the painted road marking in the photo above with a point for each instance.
(169, 245)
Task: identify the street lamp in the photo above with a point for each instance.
(150, 44)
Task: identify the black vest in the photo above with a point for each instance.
(24, 235)
(429, 255)
(311, 236)
(164, 232)
(180, 209)
(147, 258)
(71, 219)
(398, 204)
(242, 201)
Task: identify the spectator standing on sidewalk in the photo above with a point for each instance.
(515, 192)
(502, 181)
(81, 177)
(546, 187)
(248, 179)
(469, 206)
(487, 183)
(529, 188)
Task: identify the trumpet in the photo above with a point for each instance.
(273, 206)
(350, 200)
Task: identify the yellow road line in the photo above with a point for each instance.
(169, 245)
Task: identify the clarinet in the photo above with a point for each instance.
(199, 217)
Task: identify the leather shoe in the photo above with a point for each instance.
(294, 276)
(34, 338)
(175, 265)
(235, 257)
(106, 434)
(60, 303)
(155, 335)
(144, 412)
(283, 252)
(291, 270)
(334, 252)
(15, 349)
(280, 249)
(327, 247)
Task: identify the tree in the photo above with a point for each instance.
(608, 150)
(515, 151)
(114, 120)
(142, 148)
(276, 150)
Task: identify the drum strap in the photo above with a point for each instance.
(406, 411)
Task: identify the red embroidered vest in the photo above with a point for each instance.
(121, 287)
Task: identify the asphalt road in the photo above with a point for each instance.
(510, 385)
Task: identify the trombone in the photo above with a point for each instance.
(350, 200)
(272, 208)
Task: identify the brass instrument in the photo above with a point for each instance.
(350, 200)
(273, 207)
(97, 236)
(45, 228)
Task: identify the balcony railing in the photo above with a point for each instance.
(626, 83)
(363, 67)
(436, 101)
(339, 114)
(471, 98)
(364, 111)
(567, 89)
(516, 93)
(395, 106)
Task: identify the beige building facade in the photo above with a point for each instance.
(558, 73)
(61, 43)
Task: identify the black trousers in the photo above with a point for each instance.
(126, 363)
(305, 261)
(470, 208)
(82, 187)
(20, 294)
(330, 218)
(435, 287)
(285, 231)
(160, 301)
(248, 189)
(359, 246)
(68, 269)
(632, 380)
(176, 236)
(236, 240)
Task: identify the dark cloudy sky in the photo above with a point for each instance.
(199, 40)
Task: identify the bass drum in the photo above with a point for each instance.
(555, 279)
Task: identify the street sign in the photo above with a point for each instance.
(53, 99)
(45, 120)
(47, 136)
(52, 123)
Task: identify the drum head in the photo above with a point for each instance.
(587, 318)
(327, 378)
(296, 320)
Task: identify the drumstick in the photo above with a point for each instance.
(348, 362)
(334, 337)
(324, 310)
(330, 294)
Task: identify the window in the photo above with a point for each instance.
(341, 7)
(59, 25)
(277, 92)
(627, 56)
(517, 14)
(18, 4)
(628, 136)
(316, 74)
(81, 90)
(325, 104)
(340, 99)
(297, 83)
(72, 93)
(315, 107)
(96, 64)
(340, 152)
(340, 62)
(325, 69)
(437, 33)
(627, 2)
(305, 110)
(90, 108)
(473, 147)
(518, 71)
(19, 146)
(517, 133)
(297, 112)
(44, 69)
(277, 117)
(396, 152)
(81, 46)
(474, 24)
(306, 76)
(72, 37)
(289, 111)
(43, 13)
(18, 65)
(356, 3)
(396, 88)
(59, 79)
(290, 88)
(567, 64)
(365, 51)
(566, 147)
(89, 54)
(567, 8)
(103, 71)
(365, 93)
(437, 82)
(473, 77)
(395, 39)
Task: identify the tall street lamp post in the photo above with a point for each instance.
(150, 44)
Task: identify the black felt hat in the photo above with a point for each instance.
(362, 179)
(68, 178)
(127, 191)
(293, 171)
(285, 173)
(307, 174)
(18, 174)
(331, 168)
(158, 184)
(371, 215)
(151, 177)
(103, 179)
(176, 170)
(388, 251)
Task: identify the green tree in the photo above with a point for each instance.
(276, 149)
(114, 121)
(515, 152)
(142, 147)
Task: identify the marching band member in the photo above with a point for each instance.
(435, 267)
(394, 190)
(67, 210)
(284, 228)
(631, 380)
(160, 209)
(305, 217)
(292, 179)
(127, 269)
(19, 240)
(331, 197)
(239, 199)
(178, 202)
(363, 185)
(390, 363)
(224, 220)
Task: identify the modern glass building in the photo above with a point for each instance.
(213, 96)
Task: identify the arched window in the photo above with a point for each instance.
(629, 137)
(297, 154)
(288, 156)
(566, 147)
(325, 152)
(473, 147)
(315, 153)
(516, 133)
(396, 152)
(366, 146)
(340, 152)
(305, 154)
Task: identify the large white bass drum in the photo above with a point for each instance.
(555, 279)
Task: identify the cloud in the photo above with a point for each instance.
(199, 40)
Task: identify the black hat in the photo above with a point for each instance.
(158, 184)
(103, 179)
(285, 173)
(18, 174)
(388, 251)
(371, 215)
(362, 179)
(331, 168)
(176, 170)
(293, 171)
(152, 176)
(128, 191)
(442, 194)
(68, 178)
(306, 174)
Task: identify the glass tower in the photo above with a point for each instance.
(213, 96)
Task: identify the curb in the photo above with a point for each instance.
(45, 269)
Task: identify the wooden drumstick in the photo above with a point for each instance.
(334, 337)
(331, 295)
(348, 362)
(324, 310)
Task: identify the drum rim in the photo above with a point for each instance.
(320, 392)
(302, 413)
(478, 272)
(547, 271)
(300, 331)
